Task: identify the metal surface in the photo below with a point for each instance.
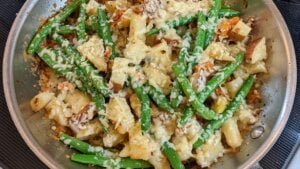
(278, 90)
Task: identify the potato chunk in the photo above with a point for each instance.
(158, 79)
(234, 86)
(240, 31)
(77, 100)
(118, 111)
(259, 67)
(219, 51)
(136, 51)
(92, 7)
(113, 138)
(91, 129)
(139, 146)
(58, 111)
(160, 56)
(41, 100)
(210, 151)
(232, 133)
(93, 50)
(256, 51)
(120, 71)
(183, 147)
(137, 27)
(220, 104)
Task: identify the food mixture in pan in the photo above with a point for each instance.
(149, 83)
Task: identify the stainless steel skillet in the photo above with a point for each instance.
(278, 91)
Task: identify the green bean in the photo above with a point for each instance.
(110, 162)
(87, 69)
(199, 43)
(159, 98)
(52, 23)
(176, 95)
(220, 77)
(187, 88)
(228, 113)
(65, 29)
(79, 145)
(105, 32)
(184, 51)
(81, 27)
(228, 12)
(145, 107)
(180, 21)
(185, 117)
(92, 24)
(172, 156)
(212, 21)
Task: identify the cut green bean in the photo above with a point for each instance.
(66, 29)
(145, 106)
(180, 21)
(187, 114)
(212, 21)
(220, 77)
(110, 162)
(214, 125)
(51, 24)
(81, 24)
(172, 156)
(228, 12)
(159, 98)
(79, 145)
(176, 95)
(92, 24)
(105, 32)
(87, 69)
(199, 43)
(187, 88)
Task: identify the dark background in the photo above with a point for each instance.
(15, 154)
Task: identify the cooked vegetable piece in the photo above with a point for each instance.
(256, 51)
(145, 108)
(104, 30)
(199, 43)
(51, 24)
(172, 156)
(180, 21)
(87, 69)
(159, 98)
(79, 145)
(41, 100)
(176, 92)
(176, 95)
(92, 25)
(214, 125)
(81, 27)
(226, 12)
(212, 20)
(187, 88)
(185, 117)
(110, 162)
(240, 31)
(66, 29)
